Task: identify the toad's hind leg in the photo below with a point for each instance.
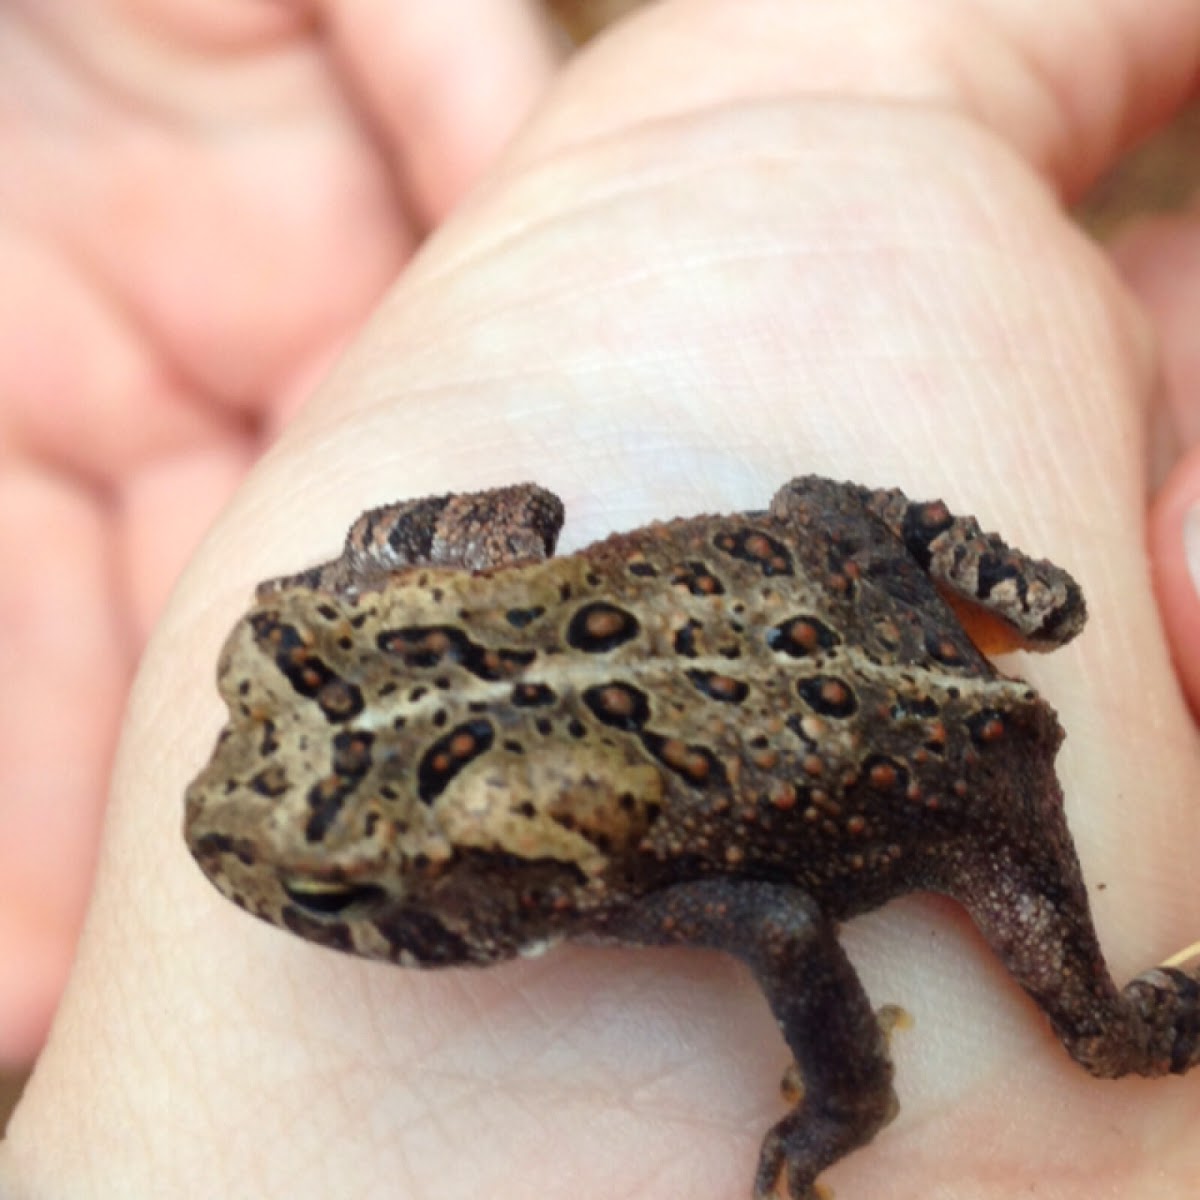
(840, 1050)
(1031, 905)
(1037, 603)
(471, 531)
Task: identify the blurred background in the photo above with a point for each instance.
(1159, 176)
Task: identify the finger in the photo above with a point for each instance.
(1160, 261)
(65, 664)
(165, 509)
(1067, 85)
(1174, 542)
(447, 83)
(79, 389)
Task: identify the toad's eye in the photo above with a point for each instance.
(328, 898)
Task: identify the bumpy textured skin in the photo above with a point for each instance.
(446, 747)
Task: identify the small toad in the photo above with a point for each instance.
(447, 747)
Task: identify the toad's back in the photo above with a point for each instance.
(446, 746)
(743, 694)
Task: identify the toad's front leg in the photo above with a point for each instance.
(825, 1016)
(469, 531)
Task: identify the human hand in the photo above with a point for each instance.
(1158, 258)
(826, 237)
(200, 203)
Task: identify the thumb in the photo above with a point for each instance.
(445, 83)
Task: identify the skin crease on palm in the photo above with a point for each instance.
(824, 239)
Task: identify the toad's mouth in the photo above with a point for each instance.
(329, 898)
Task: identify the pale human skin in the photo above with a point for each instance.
(801, 249)
(200, 202)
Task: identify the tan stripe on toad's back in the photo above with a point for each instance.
(448, 747)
